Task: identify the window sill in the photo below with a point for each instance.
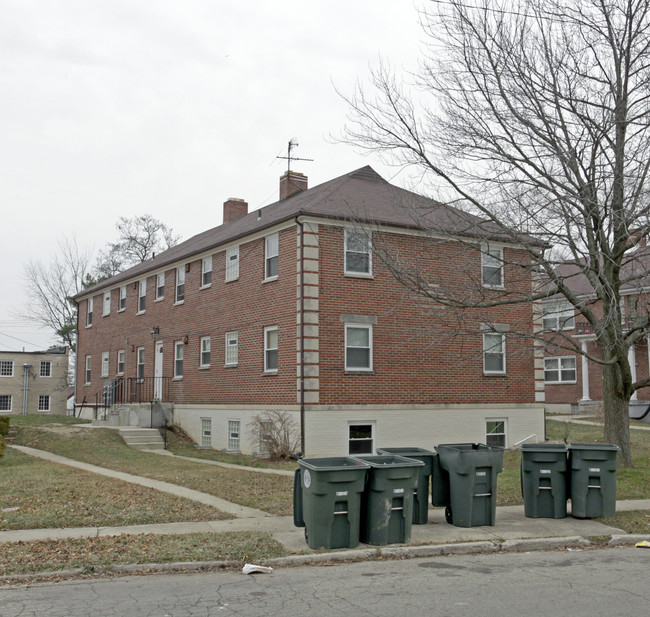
(204, 367)
(178, 302)
(140, 313)
(159, 299)
(359, 371)
(205, 286)
(270, 279)
(177, 378)
(504, 374)
(560, 383)
(231, 280)
(88, 326)
(359, 275)
(119, 374)
(230, 365)
(106, 315)
(267, 373)
(502, 287)
(121, 310)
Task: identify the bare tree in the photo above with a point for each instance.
(50, 288)
(140, 238)
(535, 115)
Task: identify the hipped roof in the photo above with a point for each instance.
(361, 195)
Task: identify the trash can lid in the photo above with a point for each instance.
(544, 447)
(332, 463)
(389, 460)
(594, 446)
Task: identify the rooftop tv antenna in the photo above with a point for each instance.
(293, 143)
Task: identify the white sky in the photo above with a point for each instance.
(114, 108)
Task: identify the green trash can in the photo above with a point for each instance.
(473, 470)
(327, 500)
(439, 484)
(544, 480)
(387, 504)
(421, 494)
(593, 479)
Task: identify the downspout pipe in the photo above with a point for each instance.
(26, 368)
(301, 285)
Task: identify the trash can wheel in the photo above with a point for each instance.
(306, 536)
(449, 516)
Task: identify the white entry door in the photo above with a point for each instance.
(158, 372)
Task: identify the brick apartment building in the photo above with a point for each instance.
(288, 308)
(34, 381)
(573, 382)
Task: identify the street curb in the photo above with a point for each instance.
(343, 556)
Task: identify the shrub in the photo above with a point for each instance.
(4, 425)
(277, 433)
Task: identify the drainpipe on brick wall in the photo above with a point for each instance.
(26, 368)
(302, 338)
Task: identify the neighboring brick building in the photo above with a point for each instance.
(288, 308)
(34, 381)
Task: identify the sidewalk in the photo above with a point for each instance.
(511, 524)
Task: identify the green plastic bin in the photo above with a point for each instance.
(593, 479)
(387, 504)
(439, 484)
(327, 500)
(544, 480)
(472, 470)
(421, 494)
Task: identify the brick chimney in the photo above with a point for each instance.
(234, 208)
(292, 182)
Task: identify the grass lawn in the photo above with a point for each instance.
(105, 448)
(39, 494)
(92, 553)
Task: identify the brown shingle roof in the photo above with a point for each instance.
(362, 195)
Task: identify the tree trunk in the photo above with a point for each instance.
(617, 417)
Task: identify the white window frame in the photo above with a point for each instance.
(6, 368)
(121, 365)
(179, 297)
(105, 364)
(270, 352)
(44, 402)
(558, 316)
(9, 398)
(46, 368)
(88, 370)
(489, 432)
(232, 348)
(206, 272)
(559, 369)
(140, 359)
(122, 299)
(371, 441)
(354, 250)
(106, 307)
(142, 296)
(89, 312)
(488, 350)
(205, 352)
(179, 355)
(232, 263)
(206, 432)
(359, 326)
(160, 286)
(234, 435)
(492, 261)
(271, 257)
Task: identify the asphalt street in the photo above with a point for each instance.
(596, 583)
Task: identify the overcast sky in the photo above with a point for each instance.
(115, 108)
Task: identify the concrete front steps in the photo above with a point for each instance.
(142, 438)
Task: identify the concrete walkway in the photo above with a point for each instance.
(573, 420)
(511, 524)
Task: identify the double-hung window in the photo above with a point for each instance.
(492, 266)
(142, 296)
(46, 369)
(88, 371)
(179, 352)
(233, 435)
(5, 402)
(105, 361)
(560, 370)
(361, 438)
(180, 284)
(495, 433)
(6, 368)
(160, 286)
(232, 348)
(140, 364)
(232, 263)
(106, 308)
(206, 271)
(122, 298)
(358, 254)
(120, 362)
(271, 261)
(558, 316)
(271, 349)
(44, 402)
(205, 352)
(494, 353)
(89, 313)
(358, 347)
